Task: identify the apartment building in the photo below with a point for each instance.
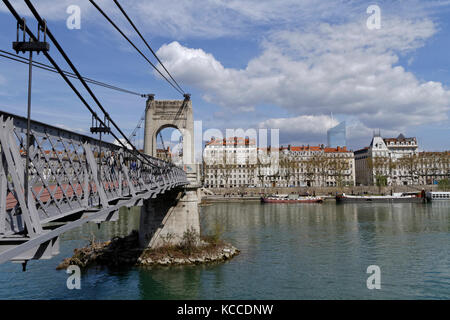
(238, 162)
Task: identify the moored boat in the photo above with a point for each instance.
(438, 196)
(291, 199)
(394, 198)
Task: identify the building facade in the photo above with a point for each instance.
(229, 163)
(237, 162)
(397, 161)
(164, 154)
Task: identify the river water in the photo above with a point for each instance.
(288, 251)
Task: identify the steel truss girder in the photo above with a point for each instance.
(73, 178)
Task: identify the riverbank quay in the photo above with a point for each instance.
(328, 194)
(240, 199)
(250, 193)
(230, 198)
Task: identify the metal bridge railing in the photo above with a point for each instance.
(71, 177)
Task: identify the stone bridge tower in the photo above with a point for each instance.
(178, 114)
(176, 212)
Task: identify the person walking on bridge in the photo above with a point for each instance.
(112, 163)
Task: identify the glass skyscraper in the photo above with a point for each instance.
(336, 136)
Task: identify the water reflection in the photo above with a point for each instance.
(127, 222)
(379, 218)
(329, 247)
(178, 282)
(288, 251)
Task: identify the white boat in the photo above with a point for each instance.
(438, 196)
(285, 198)
(396, 197)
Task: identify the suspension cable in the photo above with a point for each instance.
(47, 67)
(69, 62)
(138, 126)
(32, 36)
(146, 43)
(134, 46)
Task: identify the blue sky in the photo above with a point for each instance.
(252, 64)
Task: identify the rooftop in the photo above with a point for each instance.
(315, 148)
(400, 138)
(231, 141)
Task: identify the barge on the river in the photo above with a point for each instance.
(285, 198)
(394, 198)
(438, 196)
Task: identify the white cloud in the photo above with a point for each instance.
(307, 129)
(48, 9)
(79, 130)
(219, 18)
(302, 124)
(345, 69)
(306, 66)
(193, 18)
(313, 130)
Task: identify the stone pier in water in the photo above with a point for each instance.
(167, 218)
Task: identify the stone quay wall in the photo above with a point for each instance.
(325, 191)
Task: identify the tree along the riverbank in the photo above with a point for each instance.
(420, 169)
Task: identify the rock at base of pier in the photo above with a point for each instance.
(125, 251)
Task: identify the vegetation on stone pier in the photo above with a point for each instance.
(122, 251)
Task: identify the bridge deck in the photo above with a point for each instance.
(73, 179)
